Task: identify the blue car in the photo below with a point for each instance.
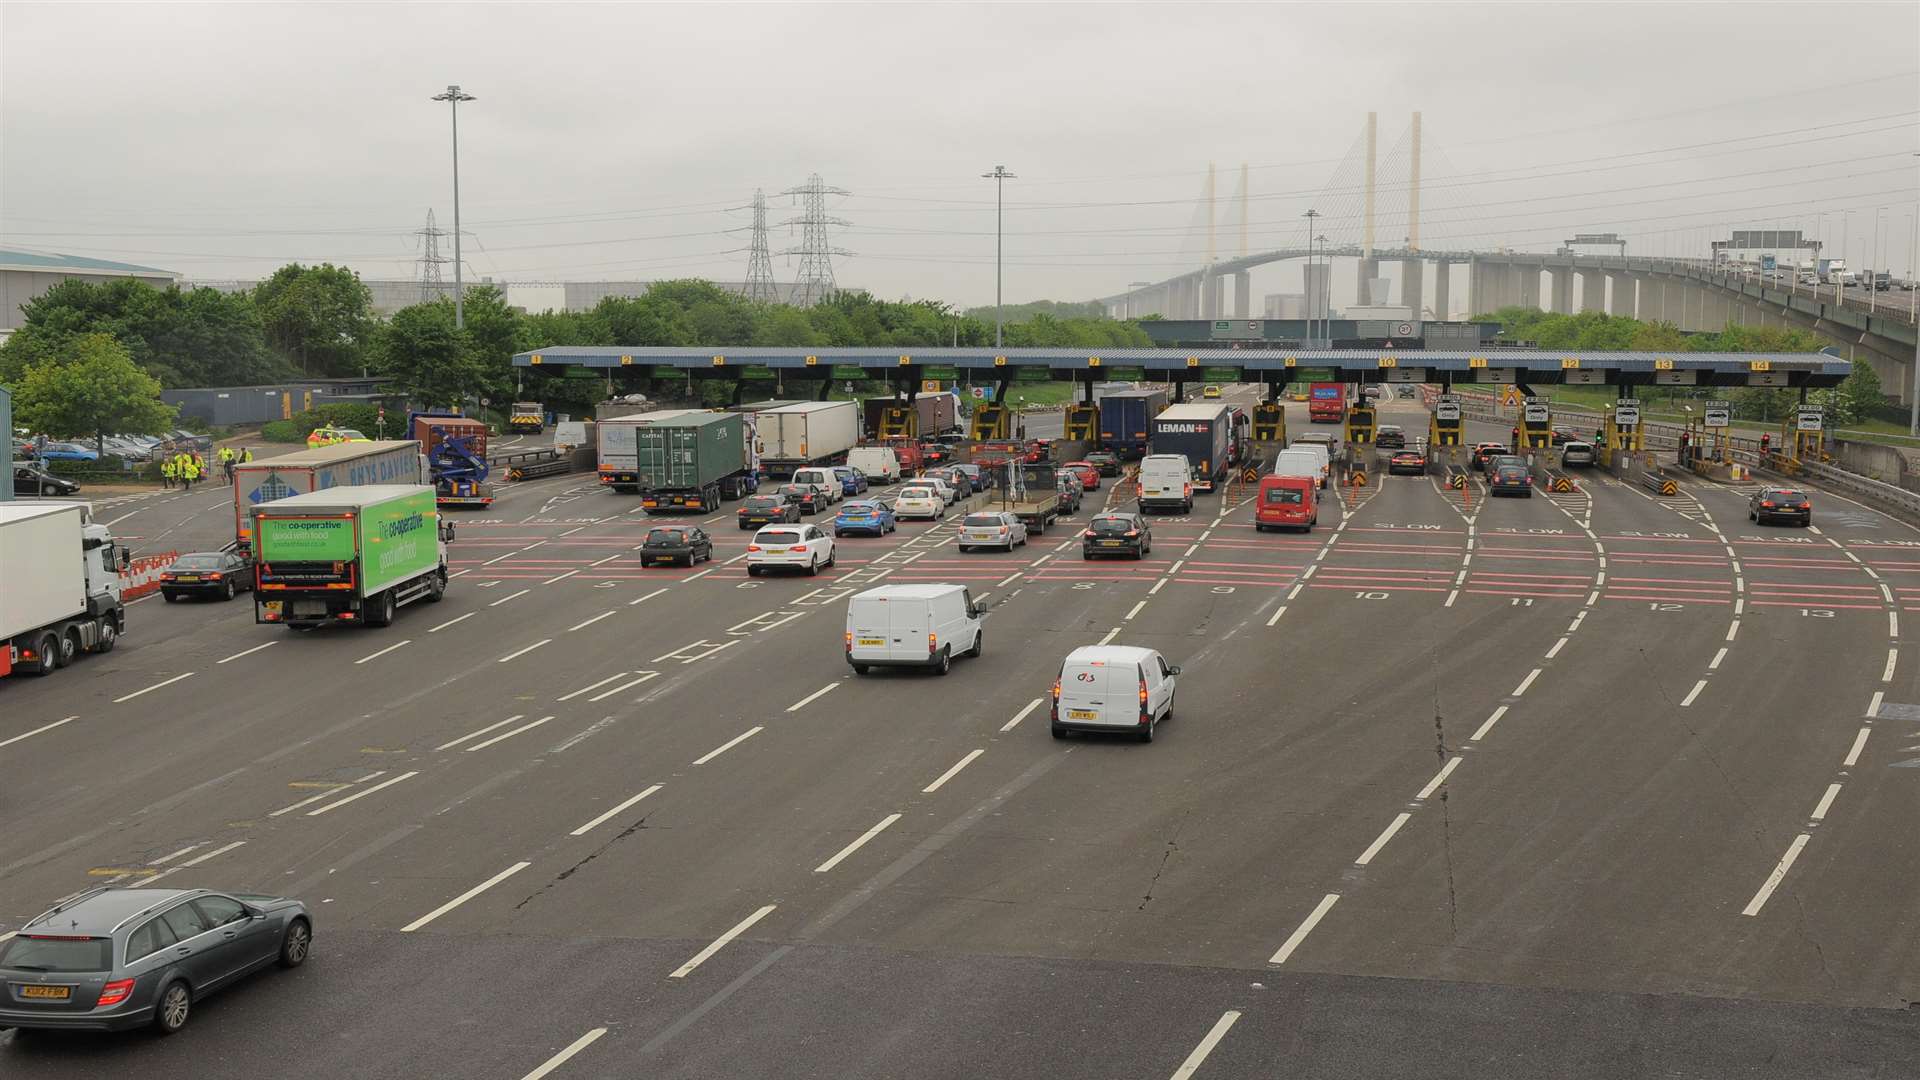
(64, 451)
(852, 480)
(864, 516)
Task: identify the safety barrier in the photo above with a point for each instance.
(1659, 484)
(535, 470)
(142, 576)
(1561, 483)
(1457, 479)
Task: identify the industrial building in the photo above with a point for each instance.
(26, 275)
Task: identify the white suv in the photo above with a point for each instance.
(803, 547)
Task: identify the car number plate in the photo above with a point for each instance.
(186, 577)
(1113, 543)
(873, 641)
(47, 993)
(1082, 714)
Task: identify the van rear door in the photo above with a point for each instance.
(1099, 692)
(910, 625)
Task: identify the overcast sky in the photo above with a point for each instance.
(611, 141)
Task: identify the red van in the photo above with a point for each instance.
(1286, 502)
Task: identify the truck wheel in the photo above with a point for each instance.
(107, 636)
(69, 646)
(437, 588)
(46, 650)
(382, 610)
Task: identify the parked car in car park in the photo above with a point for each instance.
(864, 516)
(1780, 504)
(206, 573)
(991, 529)
(794, 547)
(1116, 534)
(919, 626)
(111, 959)
(66, 451)
(1113, 689)
(774, 509)
(671, 544)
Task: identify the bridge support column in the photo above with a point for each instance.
(1442, 286)
(1621, 302)
(1561, 281)
(1212, 296)
(1593, 291)
(1527, 293)
(1365, 270)
(1243, 295)
(1413, 286)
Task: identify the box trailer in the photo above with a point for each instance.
(690, 461)
(456, 450)
(349, 554)
(1204, 433)
(354, 464)
(59, 586)
(1126, 418)
(615, 446)
(932, 414)
(809, 433)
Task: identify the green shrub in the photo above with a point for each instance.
(284, 431)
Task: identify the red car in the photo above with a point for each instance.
(1088, 473)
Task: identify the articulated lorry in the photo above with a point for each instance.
(527, 418)
(1126, 418)
(1204, 433)
(348, 554)
(689, 461)
(456, 452)
(930, 415)
(60, 595)
(808, 433)
(257, 483)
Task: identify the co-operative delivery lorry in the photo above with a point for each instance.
(807, 433)
(59, 586)
(1204, 433)
(348, 554)
(355, 464)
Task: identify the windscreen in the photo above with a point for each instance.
(916, 493)
(1111, 526)
(778, 536)
(659, 537)
(764, 502)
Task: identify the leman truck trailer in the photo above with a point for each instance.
(60, 595)
(1204, 433)
(349, 554)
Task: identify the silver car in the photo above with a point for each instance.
(992, 530)
(110, 959)
(1576, 455)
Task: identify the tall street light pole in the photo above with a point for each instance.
(999, 176)
(453, 97)
(1310, 215)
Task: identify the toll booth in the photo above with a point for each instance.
(991, 420)
(1807, 440)
(1445, 427)
(1622, 430)
(1083, 422)
(1536, 424)
(1360, 425)
(899, 421)
(1270, 423)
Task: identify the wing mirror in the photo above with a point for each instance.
(1174, 670)
(126, 558)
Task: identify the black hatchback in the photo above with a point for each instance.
(1116, 534)
(1106, 461)
(761, 510)
(206, 573)
(670, 544)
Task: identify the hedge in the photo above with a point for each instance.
(362, 418)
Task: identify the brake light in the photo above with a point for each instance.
(1088, 534)
(1768, 503)
(115, 992)
(798, 547)
(1056, 689)
(215, 576)
(1133, 532)
(933, 643)
(1143, 701)
(753, 547)
(849, 641)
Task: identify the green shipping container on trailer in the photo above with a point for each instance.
(689, 451)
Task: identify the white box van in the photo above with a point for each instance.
(1166, 483)
(1301, 461)
(1322, 453)
(880, 463)
(1113, 688)
(912, 626)
(824, 479)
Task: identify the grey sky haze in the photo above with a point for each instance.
(610, 141)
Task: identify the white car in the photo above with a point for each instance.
(802, 547)
(948, 493)
(920, 500)
(825, 480)
(1113, 688)
(992, 530)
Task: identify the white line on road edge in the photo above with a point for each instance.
(728, 745)
(1714, 664)
(1277, 612)
(1111, 634)
(169, 857)
(701, 574)
(720, 942)
(1439, 777)
(1893, 657)
(1873, 707)
(1739, 605)
(603, 562)
(1526, 682)
(1175, 568)
(508, 734)
(497, 558)
(1017, 717)
(457, 573)
(1380, 841)
(464, 897)
(504, 599)
(383, 652)
(1893, 624)
(311, 799)
(1779, 874)
(1294, 593)
(625, 686)
(1451, 597)
(950, 773)
(1311, 570)
(1859, 744)
(560, 1058)
(1194, 1060)
(559, 577)
(857, 844)
(1693, 693)
(255, 649)
(603, 818)
(1300, 933)
(1557, 646)
(1157, 586)
(71, 719)
(643, 599)
(1732, 629)
(533, 545)
(1136, 610)
(158, 685)
(1826, 801)
(735, 559)
(523, 652)
(590, 622)
(1188, 554)
(450, 622)
(813, 697)
(361, 794)
(1488, 726)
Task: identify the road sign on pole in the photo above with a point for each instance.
(1718, 413)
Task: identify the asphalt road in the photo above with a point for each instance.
(1596, 784)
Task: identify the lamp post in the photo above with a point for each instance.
(999, 176)
(453, 96)
(1311, 215)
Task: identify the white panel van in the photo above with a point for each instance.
(1113, 688)
(880, 463)
(824, 479)
(912, 626)
(1300, 461)
(1166, 483)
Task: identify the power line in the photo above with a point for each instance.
(760, 285)
(814, 282)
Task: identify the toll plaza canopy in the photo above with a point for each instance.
(1521, 366)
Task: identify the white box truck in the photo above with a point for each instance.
(351, 464)
(61, 595)
(617, 448)
(807, 433)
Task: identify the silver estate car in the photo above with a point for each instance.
(110, 959)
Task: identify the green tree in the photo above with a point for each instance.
(92, 387)
(1857, 398)
(429, 360)
(321, 317)
(194, 337)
